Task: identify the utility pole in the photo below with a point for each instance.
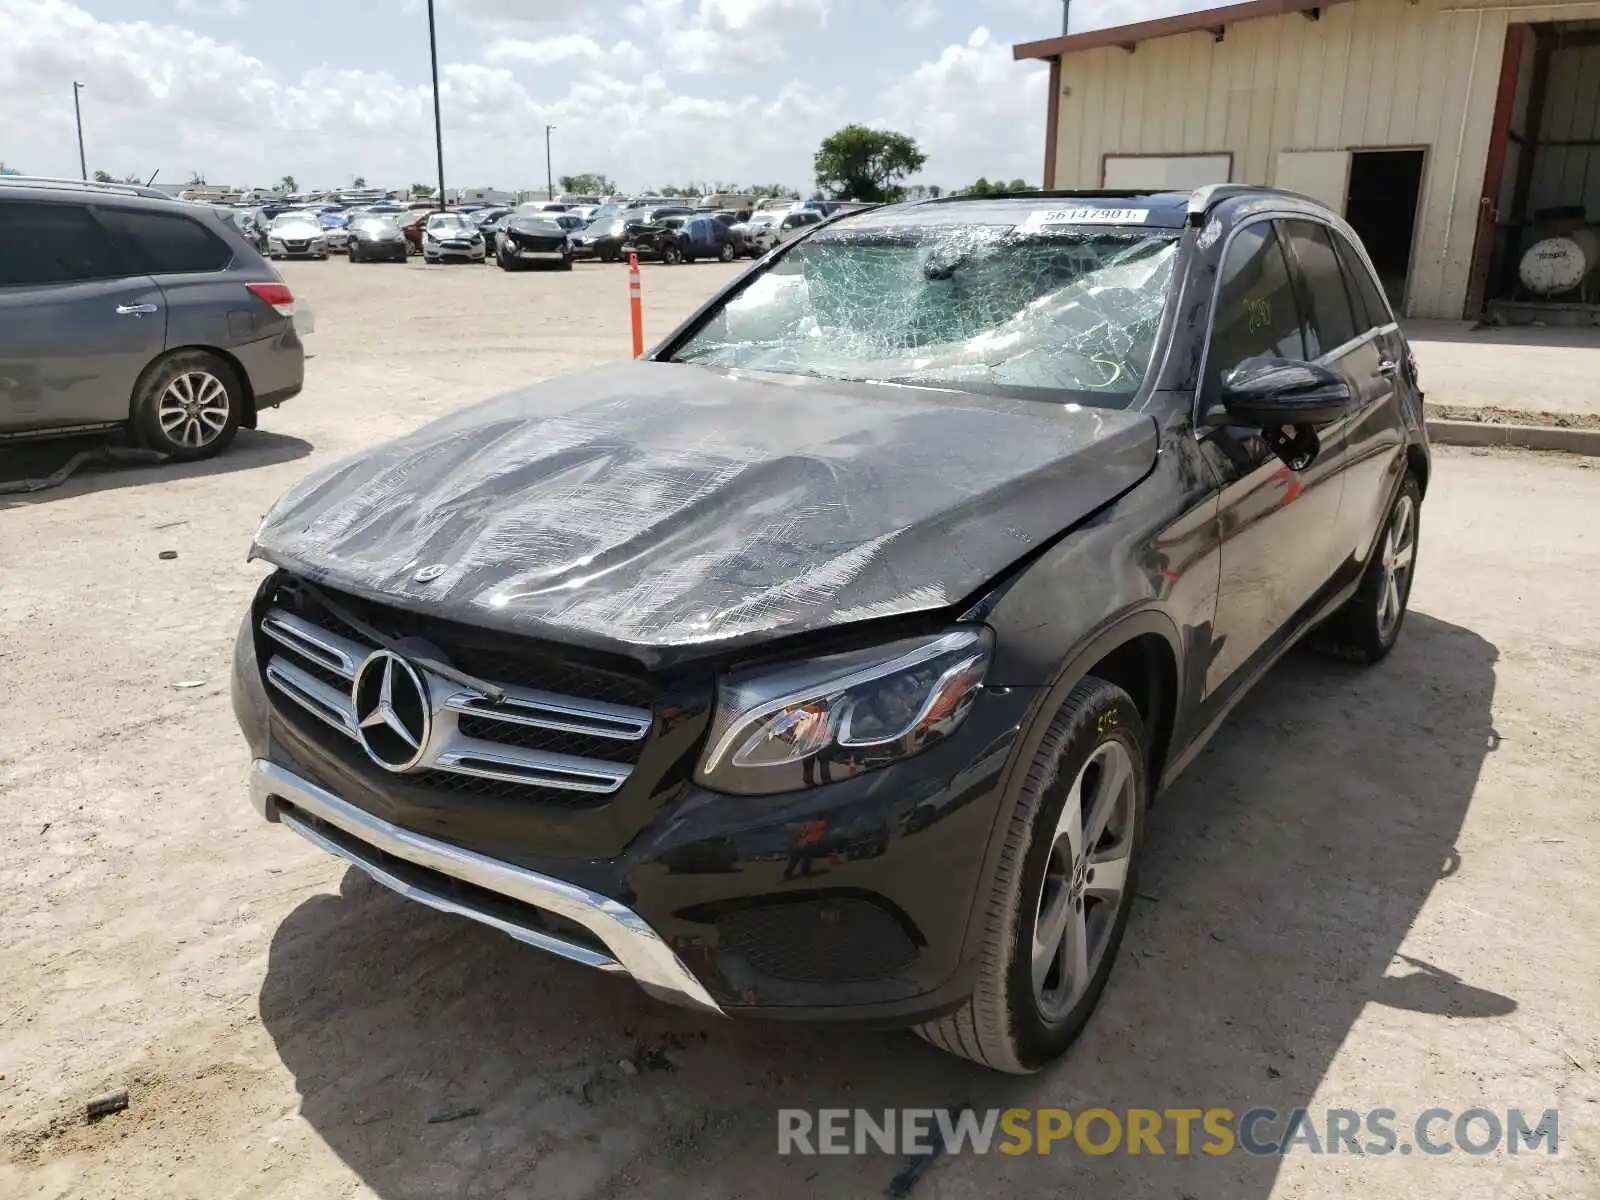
(549, 177)
(77, 112)
(438, 129)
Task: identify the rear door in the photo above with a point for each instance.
(207, 303)
(1342, 337)
(77, 325)
(1377, 436)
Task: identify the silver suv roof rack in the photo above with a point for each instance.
(84, 185)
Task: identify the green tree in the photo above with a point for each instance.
(104, 177)
(858, 163)
(359, 181)
(421, 191)
(288, 184)
(586, 184)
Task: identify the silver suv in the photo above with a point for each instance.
(119, 308)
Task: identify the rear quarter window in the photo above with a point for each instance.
(165, 243)
(43, 243)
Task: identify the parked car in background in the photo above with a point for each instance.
(530, 239)
(493, 221)
(453, 236)
(296, 234)
(827, 661)
(603, 238)
(411, 223)
(376, 237)
(334, 225)
(682, 238)
(768, 229)
(122, 311)
(734, 223)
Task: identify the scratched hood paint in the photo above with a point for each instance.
(664, 510)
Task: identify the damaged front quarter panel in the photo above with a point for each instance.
(667, 511)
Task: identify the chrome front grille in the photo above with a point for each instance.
(529, 736)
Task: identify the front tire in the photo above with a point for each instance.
(1060, 899)
(187, 406)
(725, 253)
(1366, 628)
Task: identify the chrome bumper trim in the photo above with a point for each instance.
(635, 948)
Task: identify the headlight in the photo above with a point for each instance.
(781, 728)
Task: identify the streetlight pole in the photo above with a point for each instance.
(549, 177)
(77, 113)
(438, 129)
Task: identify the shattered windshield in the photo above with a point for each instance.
(966, 306)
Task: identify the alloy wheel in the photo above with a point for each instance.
(1399, 553)
(1085, 880)
(193, 410)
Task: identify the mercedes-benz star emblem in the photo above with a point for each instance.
(392, 713)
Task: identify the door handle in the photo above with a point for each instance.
(135, 310)
(1388, 368)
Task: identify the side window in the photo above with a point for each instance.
(1256, 312)
(1330, 321)
(52, 243)
(1364, 288)
(166, 243)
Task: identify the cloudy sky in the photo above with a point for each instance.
(649, 92)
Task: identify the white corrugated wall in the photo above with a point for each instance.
(1369, 73)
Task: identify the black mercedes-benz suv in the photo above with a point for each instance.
(824, 663)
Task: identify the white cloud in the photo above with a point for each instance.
(542, 52)
(974, 112)
(919, 14)
(725, 35)
(221, 8)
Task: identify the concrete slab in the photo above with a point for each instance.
(1534, 375)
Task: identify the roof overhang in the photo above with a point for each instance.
(1209, 20)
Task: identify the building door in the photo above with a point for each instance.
(1381, 206)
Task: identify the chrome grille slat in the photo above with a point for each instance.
(449, 749)
(513, 764)
(593, 717)
(318, 698)
(338, 654)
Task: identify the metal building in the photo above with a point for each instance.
(1461, 140)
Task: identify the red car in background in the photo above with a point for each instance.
(411, 225)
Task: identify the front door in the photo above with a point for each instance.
(75, 332)
(1277, 525)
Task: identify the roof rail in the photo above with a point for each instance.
(84, 185)
(1056, 194)
(1202, 199)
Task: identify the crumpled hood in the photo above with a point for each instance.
(664, 510)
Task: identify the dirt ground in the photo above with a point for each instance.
(1375, 889)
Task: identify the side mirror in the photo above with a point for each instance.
(1274, 393)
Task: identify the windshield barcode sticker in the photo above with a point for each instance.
(1049, 218)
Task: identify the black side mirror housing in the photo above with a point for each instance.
(1274, 393)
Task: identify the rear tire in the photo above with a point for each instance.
(1367, 626)
(187, 406)
(1090, 766)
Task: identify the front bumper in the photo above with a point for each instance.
(423, 869)
(472, 253)
(370, 248)
(850, 900)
